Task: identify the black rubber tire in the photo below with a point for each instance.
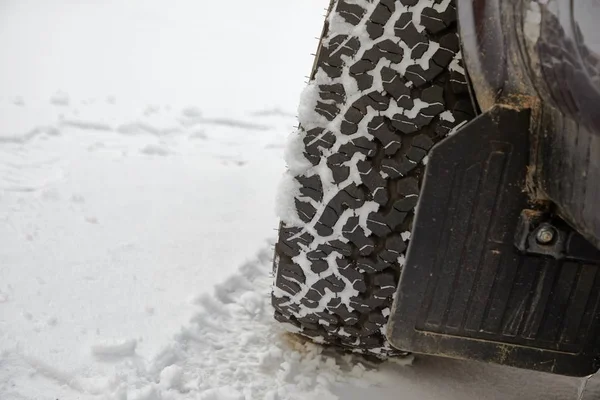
(387, 84)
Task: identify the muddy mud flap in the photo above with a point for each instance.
(488, 278)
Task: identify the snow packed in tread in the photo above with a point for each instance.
(387, 85)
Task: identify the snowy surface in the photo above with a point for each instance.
(141, 144)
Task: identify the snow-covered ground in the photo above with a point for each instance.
(141, 143)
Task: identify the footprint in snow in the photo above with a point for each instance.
(96, 146)
(78, 199)
(273, 112)
(155, 150)
(198, 135)
(85, 125)
(151, 110)
(191, 112)
(60, 99)
(50, 195)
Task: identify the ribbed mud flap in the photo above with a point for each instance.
(466, 291)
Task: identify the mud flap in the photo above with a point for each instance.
(472, 287)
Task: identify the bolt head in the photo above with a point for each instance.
(545, 235)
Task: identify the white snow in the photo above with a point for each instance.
(285, 206)
(118, 349)
(60, 99)
(141, 144)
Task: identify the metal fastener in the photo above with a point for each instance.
(545, 235)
